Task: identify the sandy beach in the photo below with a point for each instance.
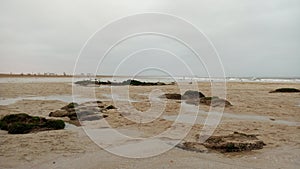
(273, 117)
(150, 84)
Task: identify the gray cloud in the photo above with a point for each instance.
(253, 37)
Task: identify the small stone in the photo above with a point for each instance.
(110, 107)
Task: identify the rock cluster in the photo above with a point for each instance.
(196, 98)
(88, 111)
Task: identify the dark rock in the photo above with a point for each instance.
(285, 90)
(138, 83)
(19, 128)
(173, 96)
(110, 107)
(55, 124)
(190, 94)
(23, 123)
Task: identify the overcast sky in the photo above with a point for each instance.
(252, 37)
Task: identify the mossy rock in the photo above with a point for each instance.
(55, 124)
(285, 90)
(3, 125)
(23, 123)
(15, 117)
(20, 128)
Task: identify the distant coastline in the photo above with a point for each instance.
(5, 75)
(128, 76)
(32, 75)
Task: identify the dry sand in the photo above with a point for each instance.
(274, 117)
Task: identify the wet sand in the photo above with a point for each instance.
(274, 117)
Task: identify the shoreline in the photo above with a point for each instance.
(148, 76)
(227, 80)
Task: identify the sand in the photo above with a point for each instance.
(274, 117)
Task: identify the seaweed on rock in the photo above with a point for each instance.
(23, 123)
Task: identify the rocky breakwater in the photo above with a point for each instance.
(126, 82)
